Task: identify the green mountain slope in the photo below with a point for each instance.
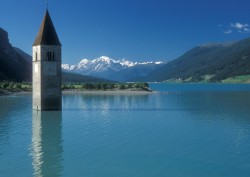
(211, 63)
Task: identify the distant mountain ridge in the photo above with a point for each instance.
(16, 65)
(209, 63)
(213, 62)
(105, 67)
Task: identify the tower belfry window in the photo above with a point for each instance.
(50, 56)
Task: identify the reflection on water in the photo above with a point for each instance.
(104, 103)
(47, 143)
(170, 133)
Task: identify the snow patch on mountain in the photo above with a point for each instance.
(104, 63)
(104, 66)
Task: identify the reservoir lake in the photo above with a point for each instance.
(181, 130)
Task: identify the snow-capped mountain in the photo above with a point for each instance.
(106, 67)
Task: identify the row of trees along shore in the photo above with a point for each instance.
(7, 86)
(107, 86)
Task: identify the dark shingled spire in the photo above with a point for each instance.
(47, 33)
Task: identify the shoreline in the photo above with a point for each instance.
(5, 92)
(90, 92)
(107, 92)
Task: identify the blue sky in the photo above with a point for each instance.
(138, 30)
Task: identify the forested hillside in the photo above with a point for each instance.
(210, 63)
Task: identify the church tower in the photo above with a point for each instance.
(47, 93)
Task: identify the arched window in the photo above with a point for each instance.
(36, 57)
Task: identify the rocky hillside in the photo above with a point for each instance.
(13, 65)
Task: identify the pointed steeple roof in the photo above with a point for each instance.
(47, 33)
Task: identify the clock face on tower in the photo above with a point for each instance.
(50, 69)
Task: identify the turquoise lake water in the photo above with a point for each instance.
(185, 130)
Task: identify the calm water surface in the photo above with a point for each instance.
(181, 131)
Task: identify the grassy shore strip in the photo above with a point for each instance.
(241, 79)
(7, 88)
(106, 86)
(238, 80)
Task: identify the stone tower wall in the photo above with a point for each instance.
(47, 77)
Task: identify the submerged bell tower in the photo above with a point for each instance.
(47, 93)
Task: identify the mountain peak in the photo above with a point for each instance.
(84, 61)
(105, 58)
(106, 67)
(4, 39)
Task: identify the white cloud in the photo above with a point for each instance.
(228, 31)
(246, 29)
(239, 26)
